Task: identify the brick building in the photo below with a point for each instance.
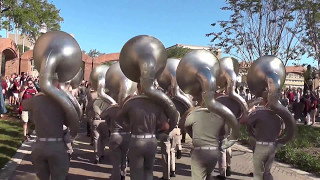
(14, 64)
(10, 53)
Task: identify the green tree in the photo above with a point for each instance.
(177, 52)
(311, 10)
(28, 16)
(261, 27)
(94, 53)
(109, 63)
(21, 49)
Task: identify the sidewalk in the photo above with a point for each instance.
(82, 166)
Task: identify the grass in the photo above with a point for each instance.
(11, 137)
(302, 152)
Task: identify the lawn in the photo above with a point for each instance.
(302, 152)
(11, 137)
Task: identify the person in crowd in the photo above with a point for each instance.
(307, 107)
(299, 94)
(27, 93)
(36, 84)
(313, 109)
(284, 99)
(82, 96)
(242, 93)
(23, 78)
(290, 97)
(295, 94)
(248, 95)
(10, 90)
(3, 88)
(297, 110)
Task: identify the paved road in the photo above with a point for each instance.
(83, 168)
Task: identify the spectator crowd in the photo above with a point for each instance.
(17, 88)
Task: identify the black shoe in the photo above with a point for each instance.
(29, 136)
(96, 161)
(26, 139)
(228, 171)
(172, 174)
(183, 141)
(251, 174)
(221, 177)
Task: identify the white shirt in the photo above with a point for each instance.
(176, 137)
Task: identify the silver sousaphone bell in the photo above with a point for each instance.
(119, 86)
(142, 59)
(229, 69)
(167, 81)
(97, 79)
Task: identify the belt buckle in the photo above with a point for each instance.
(148, 136)
(140, 136)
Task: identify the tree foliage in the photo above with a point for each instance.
(261, 27)
(20, 46)
(28, 16)
(177, 52)
(311, 10)
(94, 53)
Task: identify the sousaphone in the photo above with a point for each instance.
(266, 76)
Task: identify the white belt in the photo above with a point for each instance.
(265, 143)
(148, 136)
(49, 139)
(121, 133)
(206, 148)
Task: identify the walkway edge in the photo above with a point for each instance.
(10, 167)
(298, 171)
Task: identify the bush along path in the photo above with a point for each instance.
(303, 152)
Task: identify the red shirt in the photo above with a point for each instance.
(290, 97)
(314, 104)
(29, 93)
(16, 84)
(4, 85)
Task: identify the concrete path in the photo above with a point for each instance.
(83, 168)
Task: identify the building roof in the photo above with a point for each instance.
(28, 55)
(295, 69)
(107, 58)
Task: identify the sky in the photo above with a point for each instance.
(106, 25)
